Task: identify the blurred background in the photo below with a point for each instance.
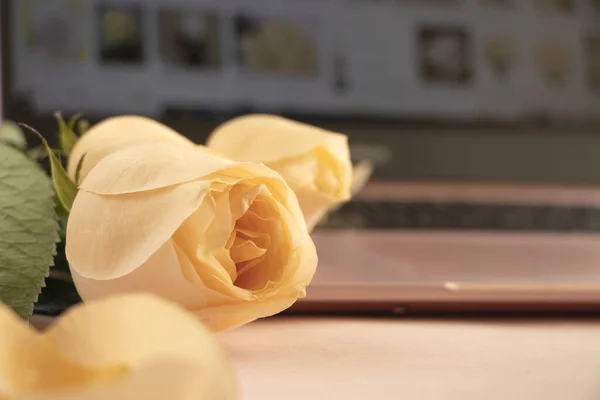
(477, 114)
(478, 90)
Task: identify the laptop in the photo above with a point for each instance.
(483, 131)
(415, 248)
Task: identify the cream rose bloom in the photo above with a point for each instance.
(225, 239)
(126, 347)
(314, 162)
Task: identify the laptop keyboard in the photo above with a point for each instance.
(463, 216)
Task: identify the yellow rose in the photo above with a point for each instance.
(225, 239)
(123, 348)
(314, 162)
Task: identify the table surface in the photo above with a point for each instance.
(319, 358)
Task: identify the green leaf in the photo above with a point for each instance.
(60, 209)
(66, 135)
(28, 230)
(12, 135)
(64, 187)
(78, 169)
(72, 121)
(39, 153)
(83, 126)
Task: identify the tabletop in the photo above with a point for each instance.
(319, 358)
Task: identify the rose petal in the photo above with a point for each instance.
(245, 267)
(361, 173)
(161, 275)
(163, 280)
(314, 206)
(207, 244)
(302, 276)
(119, 348)
(231, 316)
(204, 234)
(189, 238)
(29, 363)
(110, 236)
(245, 250)
(151, 166)
(130, 329)
(268, 138)
(139, 331)
(300, 261)
(162, 378)
(262, 240)
(230, 295)
(301, 170)
(257, 174)
(115, 133)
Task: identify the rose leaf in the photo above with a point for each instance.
(78, 170)
(12, 135)
(64, 187)
(83, 126)
(28, 230)
(66, 133)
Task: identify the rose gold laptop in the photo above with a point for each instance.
(412, 248)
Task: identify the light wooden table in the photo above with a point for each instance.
(313, 359)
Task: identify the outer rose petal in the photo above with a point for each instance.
(232, 316)
(315, 162)
(25, 354)
(149, 166)
(149, 383)
(119, 348)
(115, 133)
(110, 236)
(268, 138)
(160, 275)
(314, 207)
(361, 173)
